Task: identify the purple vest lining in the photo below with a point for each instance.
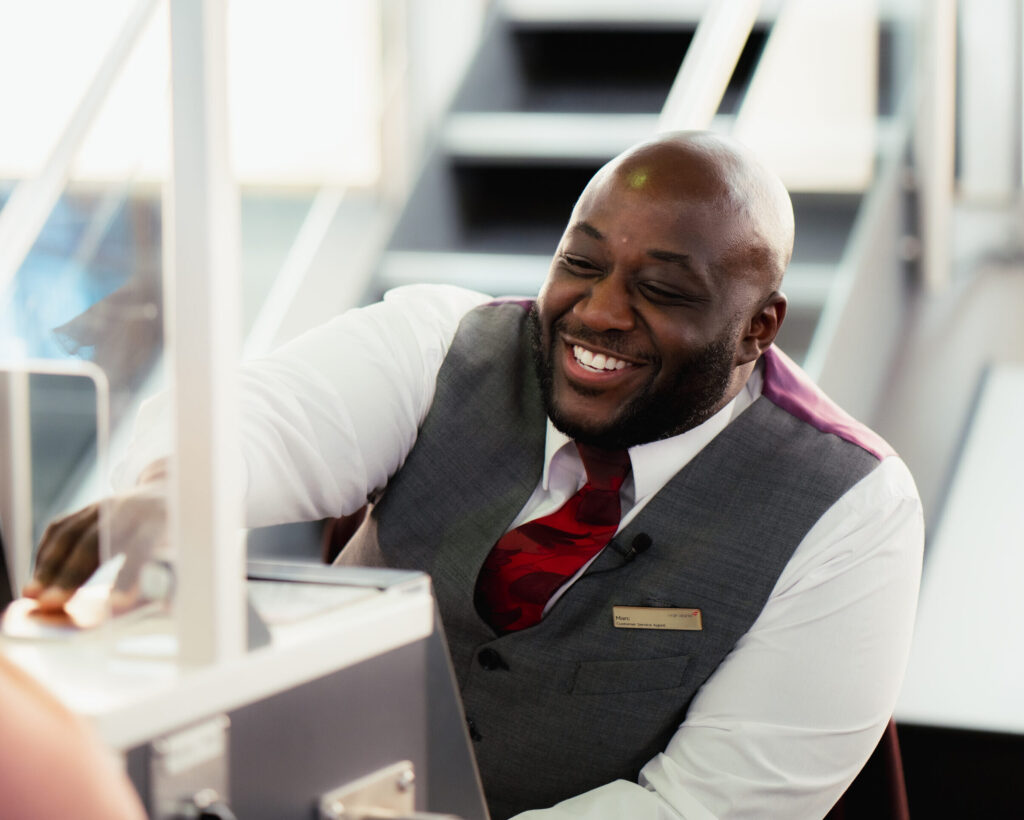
(789, 388)
(525, 302)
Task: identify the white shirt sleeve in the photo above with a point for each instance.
(330, 416)
(787, 720)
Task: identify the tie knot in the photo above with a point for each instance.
(606, 469)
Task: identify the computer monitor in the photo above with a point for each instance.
(15, 477)
(7, 592)
(53, 438)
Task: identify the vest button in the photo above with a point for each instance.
(490, 660)
(471, 728)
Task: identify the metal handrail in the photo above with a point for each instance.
(293, 271)
(708, 65)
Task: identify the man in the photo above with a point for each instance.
(676, 580)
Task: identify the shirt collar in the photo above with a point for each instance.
(656, 462)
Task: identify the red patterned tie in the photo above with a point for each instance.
(531, 562)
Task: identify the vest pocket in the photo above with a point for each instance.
(612, 677)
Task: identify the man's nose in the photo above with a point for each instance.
(607, 305)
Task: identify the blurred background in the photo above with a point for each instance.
(375, 143)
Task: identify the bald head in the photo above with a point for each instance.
(728, 178)
(663, 291)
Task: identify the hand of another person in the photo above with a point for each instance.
(52, 764)
(69, 551)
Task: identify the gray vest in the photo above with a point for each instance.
(573, 702)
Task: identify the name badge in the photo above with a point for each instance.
(655, 617)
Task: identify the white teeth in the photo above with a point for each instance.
(598, 361)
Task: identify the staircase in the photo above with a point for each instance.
(554, 91)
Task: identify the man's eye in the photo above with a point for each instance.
(578, 263)
(664, 295)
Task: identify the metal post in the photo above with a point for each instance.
(990, 91)
(934, 139)
(707, 67)
(203, 328)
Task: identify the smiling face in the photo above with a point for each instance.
(660, 297)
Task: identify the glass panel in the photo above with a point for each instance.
(82, 313)
(90, 287)
(89, 292)
(269, 220)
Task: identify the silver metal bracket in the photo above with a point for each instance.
(189, 768)
(386, 793)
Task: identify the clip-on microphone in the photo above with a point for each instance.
(641, 543)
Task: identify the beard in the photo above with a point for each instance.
(689, 398)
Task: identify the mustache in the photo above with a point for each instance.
(614, 341)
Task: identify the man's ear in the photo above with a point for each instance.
(762, 328)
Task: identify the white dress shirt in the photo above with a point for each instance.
(785, 722)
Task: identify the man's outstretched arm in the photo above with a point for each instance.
(325, 420)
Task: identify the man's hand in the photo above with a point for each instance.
(69, 551)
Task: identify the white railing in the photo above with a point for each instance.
(293, 273)
(860, 328)
(708, 65)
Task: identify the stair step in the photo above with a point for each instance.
(646, 12)
(567, 137)
(600, 66)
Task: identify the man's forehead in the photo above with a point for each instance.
(657, 177)
(744, 199)
(636, 199)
